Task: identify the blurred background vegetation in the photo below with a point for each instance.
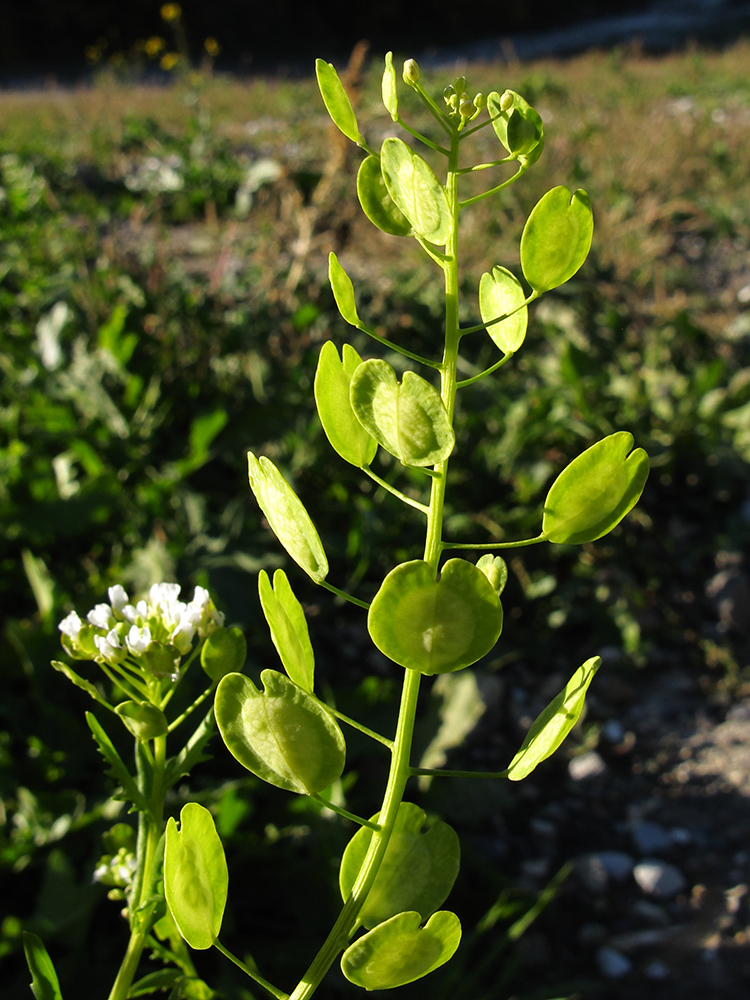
(163, 299)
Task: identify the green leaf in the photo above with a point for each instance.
(164, 979)
(551, 727)
(417, 192)
(332, 396)
(44, 982)
(417, 871)
(399, 951)
(224, 652)
(337, 101)
(500, 293)
(143, 720)
(282, 734)
(287, 517)
(408, 419)
(595, 492)
(519, 128)
(389, 87)
(556, 238)
(495, 569)
(377, 204)
(288, 626)
(435, 626)
(117, 769)
(81, 682)
(196, 878)
(343, 291)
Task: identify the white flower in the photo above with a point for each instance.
(110, 648)
(164, 592)
(101, 616)
(135, 615)
(138, 639)
(182, 637)
(71, 625)
(118, 598)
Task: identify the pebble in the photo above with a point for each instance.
(650, 838)
(598, 869)
(612, 963)
(588, 765)
(659, 879)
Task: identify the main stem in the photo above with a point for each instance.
(400, 769)
(152, 828)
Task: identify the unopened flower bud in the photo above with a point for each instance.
(411, 72)
(459, 84)
(506, 101)
(448, 93)
(453, 102)
(480, 101)
(466, 107)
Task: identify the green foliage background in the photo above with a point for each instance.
(163, 257)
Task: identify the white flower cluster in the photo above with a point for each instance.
(112, 632)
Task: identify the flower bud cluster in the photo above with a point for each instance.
(458, 101)
(120, 630)
(117, 871)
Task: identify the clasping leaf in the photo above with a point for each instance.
(435, 626)
(287, 516)
(500, 294)
(519, 127)
(347, 435)
(196, 878)
(556, 238)
(282, 734)
(337, 101)
(399, 951)
(417, 872)
(595, 492)
(377, 204)
(551, 727)
(288, 626)
(408, 419)
(417, 192)
(224, 652)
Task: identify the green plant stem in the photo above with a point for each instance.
(396, 347)
(488, 371)
(342, 593)
(358, 725)
(522, 543)
(438, 772)
(396, 492)
(400, 769)
(250, 972)
(191, 708)
(359, 820)
(150, 832)
(486, 194)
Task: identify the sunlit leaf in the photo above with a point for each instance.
(287, 517)
(389, 88)
(417, 192)
(552, 725)
(435, 626)
(337, 101)
(495, 569)
(143, 720)
(343, 291)
(333, 380)
(224, 652)
(417, 872)
(399, 951)
(44, 982)
(408, 419)
(196, 878)
(288, 626)
(556, 238)
(519, 127)
(282, 734)
(501, 294)
(595, 492)
(377, 204)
